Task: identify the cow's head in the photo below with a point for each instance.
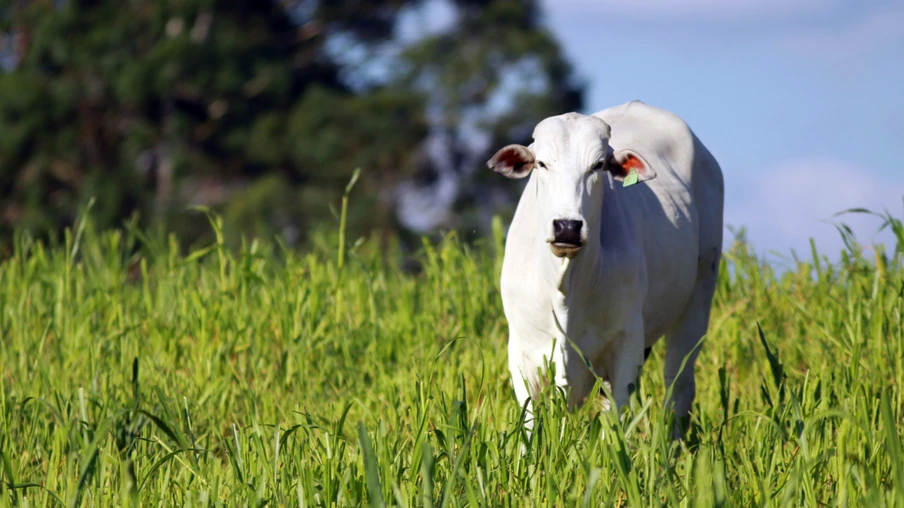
(570, 152)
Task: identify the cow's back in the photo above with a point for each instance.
(676, 216)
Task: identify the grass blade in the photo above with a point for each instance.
(374, 488)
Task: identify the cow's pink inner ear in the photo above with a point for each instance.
(631, 162)
(513, 158)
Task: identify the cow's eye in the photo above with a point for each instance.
(541, 164)
(598, 166)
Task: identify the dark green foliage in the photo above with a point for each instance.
(252, 107)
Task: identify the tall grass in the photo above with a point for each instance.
(268, 377)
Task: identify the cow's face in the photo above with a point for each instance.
(569, 153)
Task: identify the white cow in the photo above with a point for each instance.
(606, 267)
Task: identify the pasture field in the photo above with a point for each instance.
(135, 375)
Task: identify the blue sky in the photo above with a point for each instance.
(802, 102)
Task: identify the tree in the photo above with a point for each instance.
(252, 107)
(490, 78)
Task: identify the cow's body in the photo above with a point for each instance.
(648, 268)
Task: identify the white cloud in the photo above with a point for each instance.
(785, 205)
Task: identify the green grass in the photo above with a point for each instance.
(268, 377)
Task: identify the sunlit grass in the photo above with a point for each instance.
(136, 375)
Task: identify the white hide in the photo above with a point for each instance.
(649, 261)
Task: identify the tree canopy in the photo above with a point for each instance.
(263, 109)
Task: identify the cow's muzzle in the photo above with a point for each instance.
(567, 240)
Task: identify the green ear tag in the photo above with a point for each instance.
(631, 179)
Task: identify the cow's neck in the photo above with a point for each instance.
(569, 278)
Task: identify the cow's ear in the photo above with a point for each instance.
(623, 162)
(513, 161)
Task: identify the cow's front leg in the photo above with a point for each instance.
(572, 374)
(524, 375)
(622, 361)
(528, 371)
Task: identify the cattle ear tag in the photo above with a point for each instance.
(631, 179)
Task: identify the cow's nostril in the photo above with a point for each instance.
(567, 231)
